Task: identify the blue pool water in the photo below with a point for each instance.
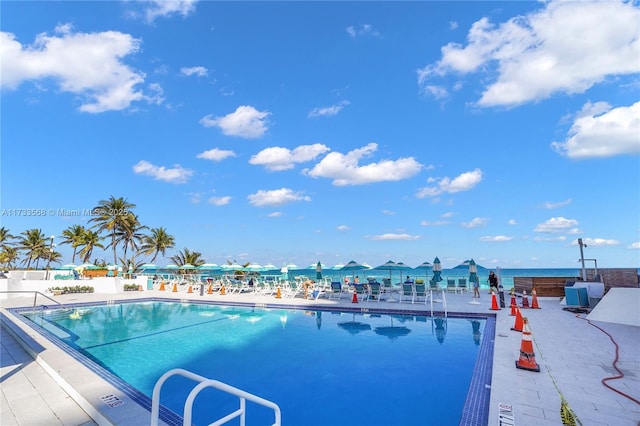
(321, 367)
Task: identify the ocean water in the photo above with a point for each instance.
(506, 275)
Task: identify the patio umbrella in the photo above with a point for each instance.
(475, 327)
(426, 267)
(254, 267)
(209, 267)
(270, 267)
(285, 273)
(68, 267)
(354, 327)
(437, 270)
(145, 266)
(319, 271)
(390, 266)
(392, 331)
(441, 329)
(473, 272)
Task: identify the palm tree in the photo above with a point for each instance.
(5, 238)
(74, 236)
(111, 216)
(90, 240)
(158, 242)
(33, 243)
(186, 256)
(130, 235)
(9, 256)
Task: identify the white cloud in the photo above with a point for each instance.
(216, 154)
(475, 222)
(344, 169)
(496, 238)
(177, 174)
(219, 201)
(549, 205)
(245, 122)
(165, 8)
(86, 64)
(463, 182)
(564, 47)
(343, 228)
(635, 246)
(275, 214)
(362, 30)
(197, 71)
(436, 223)
(512, 222)
(276, 197)
(328, 111)
(277, 158)
(556, 224)
(559, 238)
(602, 131)
(393, 237)
(598, 242)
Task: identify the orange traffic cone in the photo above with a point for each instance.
(355, 298)
(222, 290)
(494, 302)
(190, 289)
(518, 324)
(278, 294)
(514, 303)
(525, 299)
(534, 299)
(162, 286)
(527, 359)
(175, 288)
(210, 291)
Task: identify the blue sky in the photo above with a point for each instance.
(292, 132)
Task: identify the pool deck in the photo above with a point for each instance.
(573, 355)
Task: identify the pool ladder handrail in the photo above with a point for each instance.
(205, 382)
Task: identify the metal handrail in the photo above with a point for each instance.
(204, 383)
(35, 296)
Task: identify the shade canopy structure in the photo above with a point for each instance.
(171, 267)
(270, 267)
(233, 267)
(437, 270)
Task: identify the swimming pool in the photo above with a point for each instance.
(322, 367)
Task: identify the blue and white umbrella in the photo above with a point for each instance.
(437, 270)
(473, 272)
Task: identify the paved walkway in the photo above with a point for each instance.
(574, 357)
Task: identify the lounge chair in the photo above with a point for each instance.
(335, 290)
(361, 291)
(433, 285)
(462, 285)
(451, 285)
(374, 291)
(420, 290)
(407, 292)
